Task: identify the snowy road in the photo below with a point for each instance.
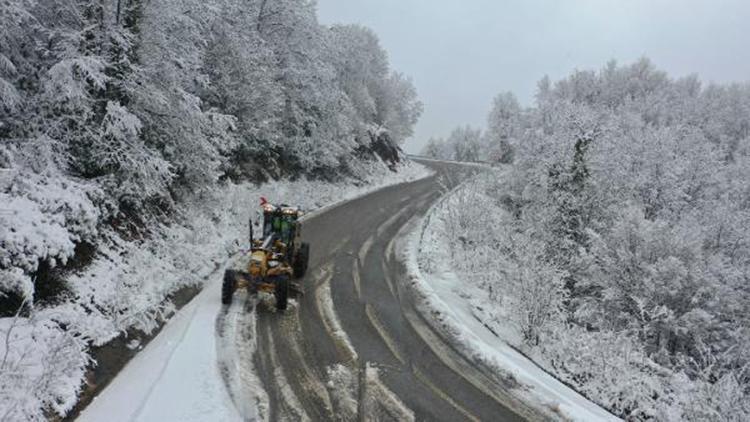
(354, 347)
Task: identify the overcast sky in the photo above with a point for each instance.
(461, 53)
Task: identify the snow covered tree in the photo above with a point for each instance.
(633, 187)
(311, 99)
(11, 35)
(503, 127)
(465, 143)
(362, 69)
(399, 107)
(435, 148)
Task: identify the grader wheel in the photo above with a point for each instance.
(228, 286)
(282, 294)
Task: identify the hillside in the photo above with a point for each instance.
(613, 248)
(130, 132)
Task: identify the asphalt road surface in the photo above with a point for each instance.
(354, 347)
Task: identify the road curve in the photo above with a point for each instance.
(353, 347)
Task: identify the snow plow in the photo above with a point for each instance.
(273, 263)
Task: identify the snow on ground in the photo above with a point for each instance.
(177, 375)
(343, 386)
(443, 299)
(236, 345)
(380, 403)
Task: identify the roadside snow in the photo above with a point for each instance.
(443, 299)
(343, 386)
(380, 403)
(177, 375)
(236, 345)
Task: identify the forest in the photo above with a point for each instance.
(618, 241)
(117, 116)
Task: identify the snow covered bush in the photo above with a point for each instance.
(41, 367)
(611, 369)
(44, 213)
(534, 288)
(506, 263)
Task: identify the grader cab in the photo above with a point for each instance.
(274, 261)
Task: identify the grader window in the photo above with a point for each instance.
(279, 224)
(286, 233)
(271, 223)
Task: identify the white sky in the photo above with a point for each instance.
(461, 53)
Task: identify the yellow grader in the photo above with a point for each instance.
(273, 262)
